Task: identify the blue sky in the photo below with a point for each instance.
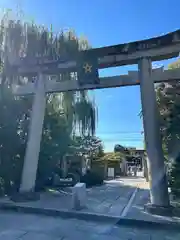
(106, 22)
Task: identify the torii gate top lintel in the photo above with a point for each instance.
(146, 44)
(157, 48)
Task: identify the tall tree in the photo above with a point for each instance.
(168, 99)
(25, 39)
(66, 113)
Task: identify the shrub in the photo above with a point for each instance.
(75, 177)
(92, 178)
(1, 186)
(175, 178)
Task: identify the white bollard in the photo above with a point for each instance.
(79, 197)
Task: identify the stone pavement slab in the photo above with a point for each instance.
(136, 211)
(16, 226)
(11, 234)
(38, 236)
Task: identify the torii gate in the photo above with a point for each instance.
(141, 53)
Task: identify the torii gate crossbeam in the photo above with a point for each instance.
(131, 79)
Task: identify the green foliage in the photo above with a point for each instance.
(90, 145)
(100, 152)
(113, 156)
(175, 178)
(2, 184)
(119, 148)
(14, 120)
(55, 143)
(168, 100)
(92, 178)
(174, 65)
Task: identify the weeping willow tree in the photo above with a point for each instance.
(22, 39)
(67, 114)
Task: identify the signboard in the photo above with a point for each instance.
(41, 61)
(87, 69)
(111, 172)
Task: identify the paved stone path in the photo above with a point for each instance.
(138, 181)
(16, 226)
(109, 199)
(136, 211)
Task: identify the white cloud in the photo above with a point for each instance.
(157, 65)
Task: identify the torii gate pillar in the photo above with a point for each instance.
(35, 132)
(158, 181)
